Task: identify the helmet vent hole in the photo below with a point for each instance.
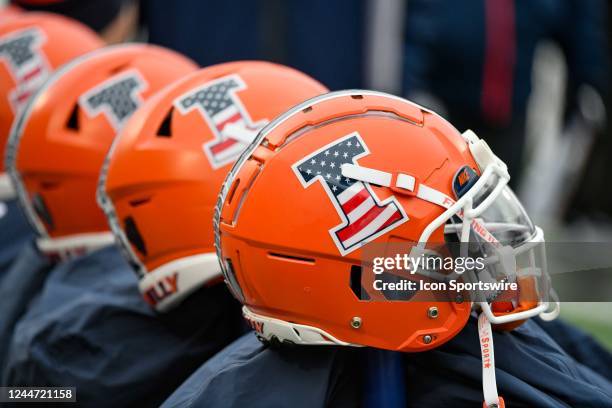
(357, 96)
(355, 283)
(119, 68)
(133, 235)
(73, 119)
(165, 128)
(49, 185)
(291, 258)
(140, 201)
(306, 110)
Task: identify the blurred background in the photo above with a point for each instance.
(532, 77)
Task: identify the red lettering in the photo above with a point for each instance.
(172, 281)
(256, 325)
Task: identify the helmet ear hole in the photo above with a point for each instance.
(73, 120)
(355, 283)
(231, 279)
(133, 235)
(140, 201)
(41, 209)
(165, 128)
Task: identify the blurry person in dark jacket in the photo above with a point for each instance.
(115, 20)
(473, 61)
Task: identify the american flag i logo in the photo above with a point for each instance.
(118, 97)
(218, 103)
(21, 52)
(364, 216)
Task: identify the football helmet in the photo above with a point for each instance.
(353, 173)
(165, 172)
(58, 143)
(32, 45)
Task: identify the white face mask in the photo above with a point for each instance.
(490, 221)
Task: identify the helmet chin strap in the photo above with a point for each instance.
(489, 383)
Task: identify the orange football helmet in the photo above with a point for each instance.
(345, 177)
(167, 167)
(32, 45)
(59, 141)
(411, 178)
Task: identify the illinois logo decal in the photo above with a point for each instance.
(219, 105)
(21, 53)
(117, 97)
(364, 216)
